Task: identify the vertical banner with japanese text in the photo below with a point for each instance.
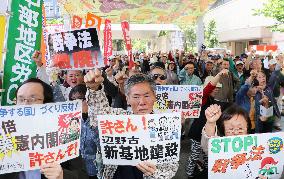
(179, 98)
(130, 139)
(77, 49)
(43, 45)
(126, 36)
(24, 37)
(2, 38)
(34, 135)
(246, 156)
(107, 41)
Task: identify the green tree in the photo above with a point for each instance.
(211, 39)
(139, 44)
(190, 37)
(273, 9)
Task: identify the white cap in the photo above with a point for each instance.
(239, 62)
(272, 62)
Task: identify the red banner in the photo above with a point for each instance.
(107, 41)
(126, 36)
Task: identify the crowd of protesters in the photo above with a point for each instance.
(234, 89)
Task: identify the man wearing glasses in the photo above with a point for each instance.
(158, 74)
(140, 94)
(35, 91)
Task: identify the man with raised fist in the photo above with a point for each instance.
(140, 94)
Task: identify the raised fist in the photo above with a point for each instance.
(93, 79)
(37, 58)
(213, 113)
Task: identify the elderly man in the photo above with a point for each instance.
(35, 91)
(140, 94)
(230, 85)
(187, 76)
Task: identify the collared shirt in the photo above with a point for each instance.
(31, 174)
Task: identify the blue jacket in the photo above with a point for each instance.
(242, 98)
(88, 148)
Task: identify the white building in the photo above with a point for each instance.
(238, 28)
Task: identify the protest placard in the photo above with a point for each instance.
(130, 139)
(179, 98)
(78, 49)
(31, 136)
(247, 156)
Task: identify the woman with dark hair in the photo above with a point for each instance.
(233, 121)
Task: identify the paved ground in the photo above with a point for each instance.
(183, 159)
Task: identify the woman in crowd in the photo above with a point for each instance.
(233, 121)
(172, 74)
(196, 164)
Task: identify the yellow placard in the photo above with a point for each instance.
(2, 38)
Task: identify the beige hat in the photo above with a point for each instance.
(209, 79)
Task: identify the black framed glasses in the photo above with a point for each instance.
(161, 77)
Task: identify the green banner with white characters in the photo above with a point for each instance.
(24, 37)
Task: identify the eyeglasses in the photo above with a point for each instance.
(235, 131)
(161, 77)
(28, 100)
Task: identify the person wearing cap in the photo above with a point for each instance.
(276, 83)
(271, 68)
(239, 72)
(171, 74)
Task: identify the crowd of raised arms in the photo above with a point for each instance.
(234, 89)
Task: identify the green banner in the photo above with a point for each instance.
(24, 37)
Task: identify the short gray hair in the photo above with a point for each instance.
(139, 78)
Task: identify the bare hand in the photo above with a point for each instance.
(52, 171)
(120, 77)
(93, 79)
(213, 113)
(253, 73)
(37, 58)
(224, 72)
(265, 101)
(147, 168)
(109, 71)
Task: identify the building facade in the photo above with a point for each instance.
(238, 28)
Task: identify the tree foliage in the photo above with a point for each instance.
(211, 39)
(189, 37)
(274, 9)
(139, 44)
